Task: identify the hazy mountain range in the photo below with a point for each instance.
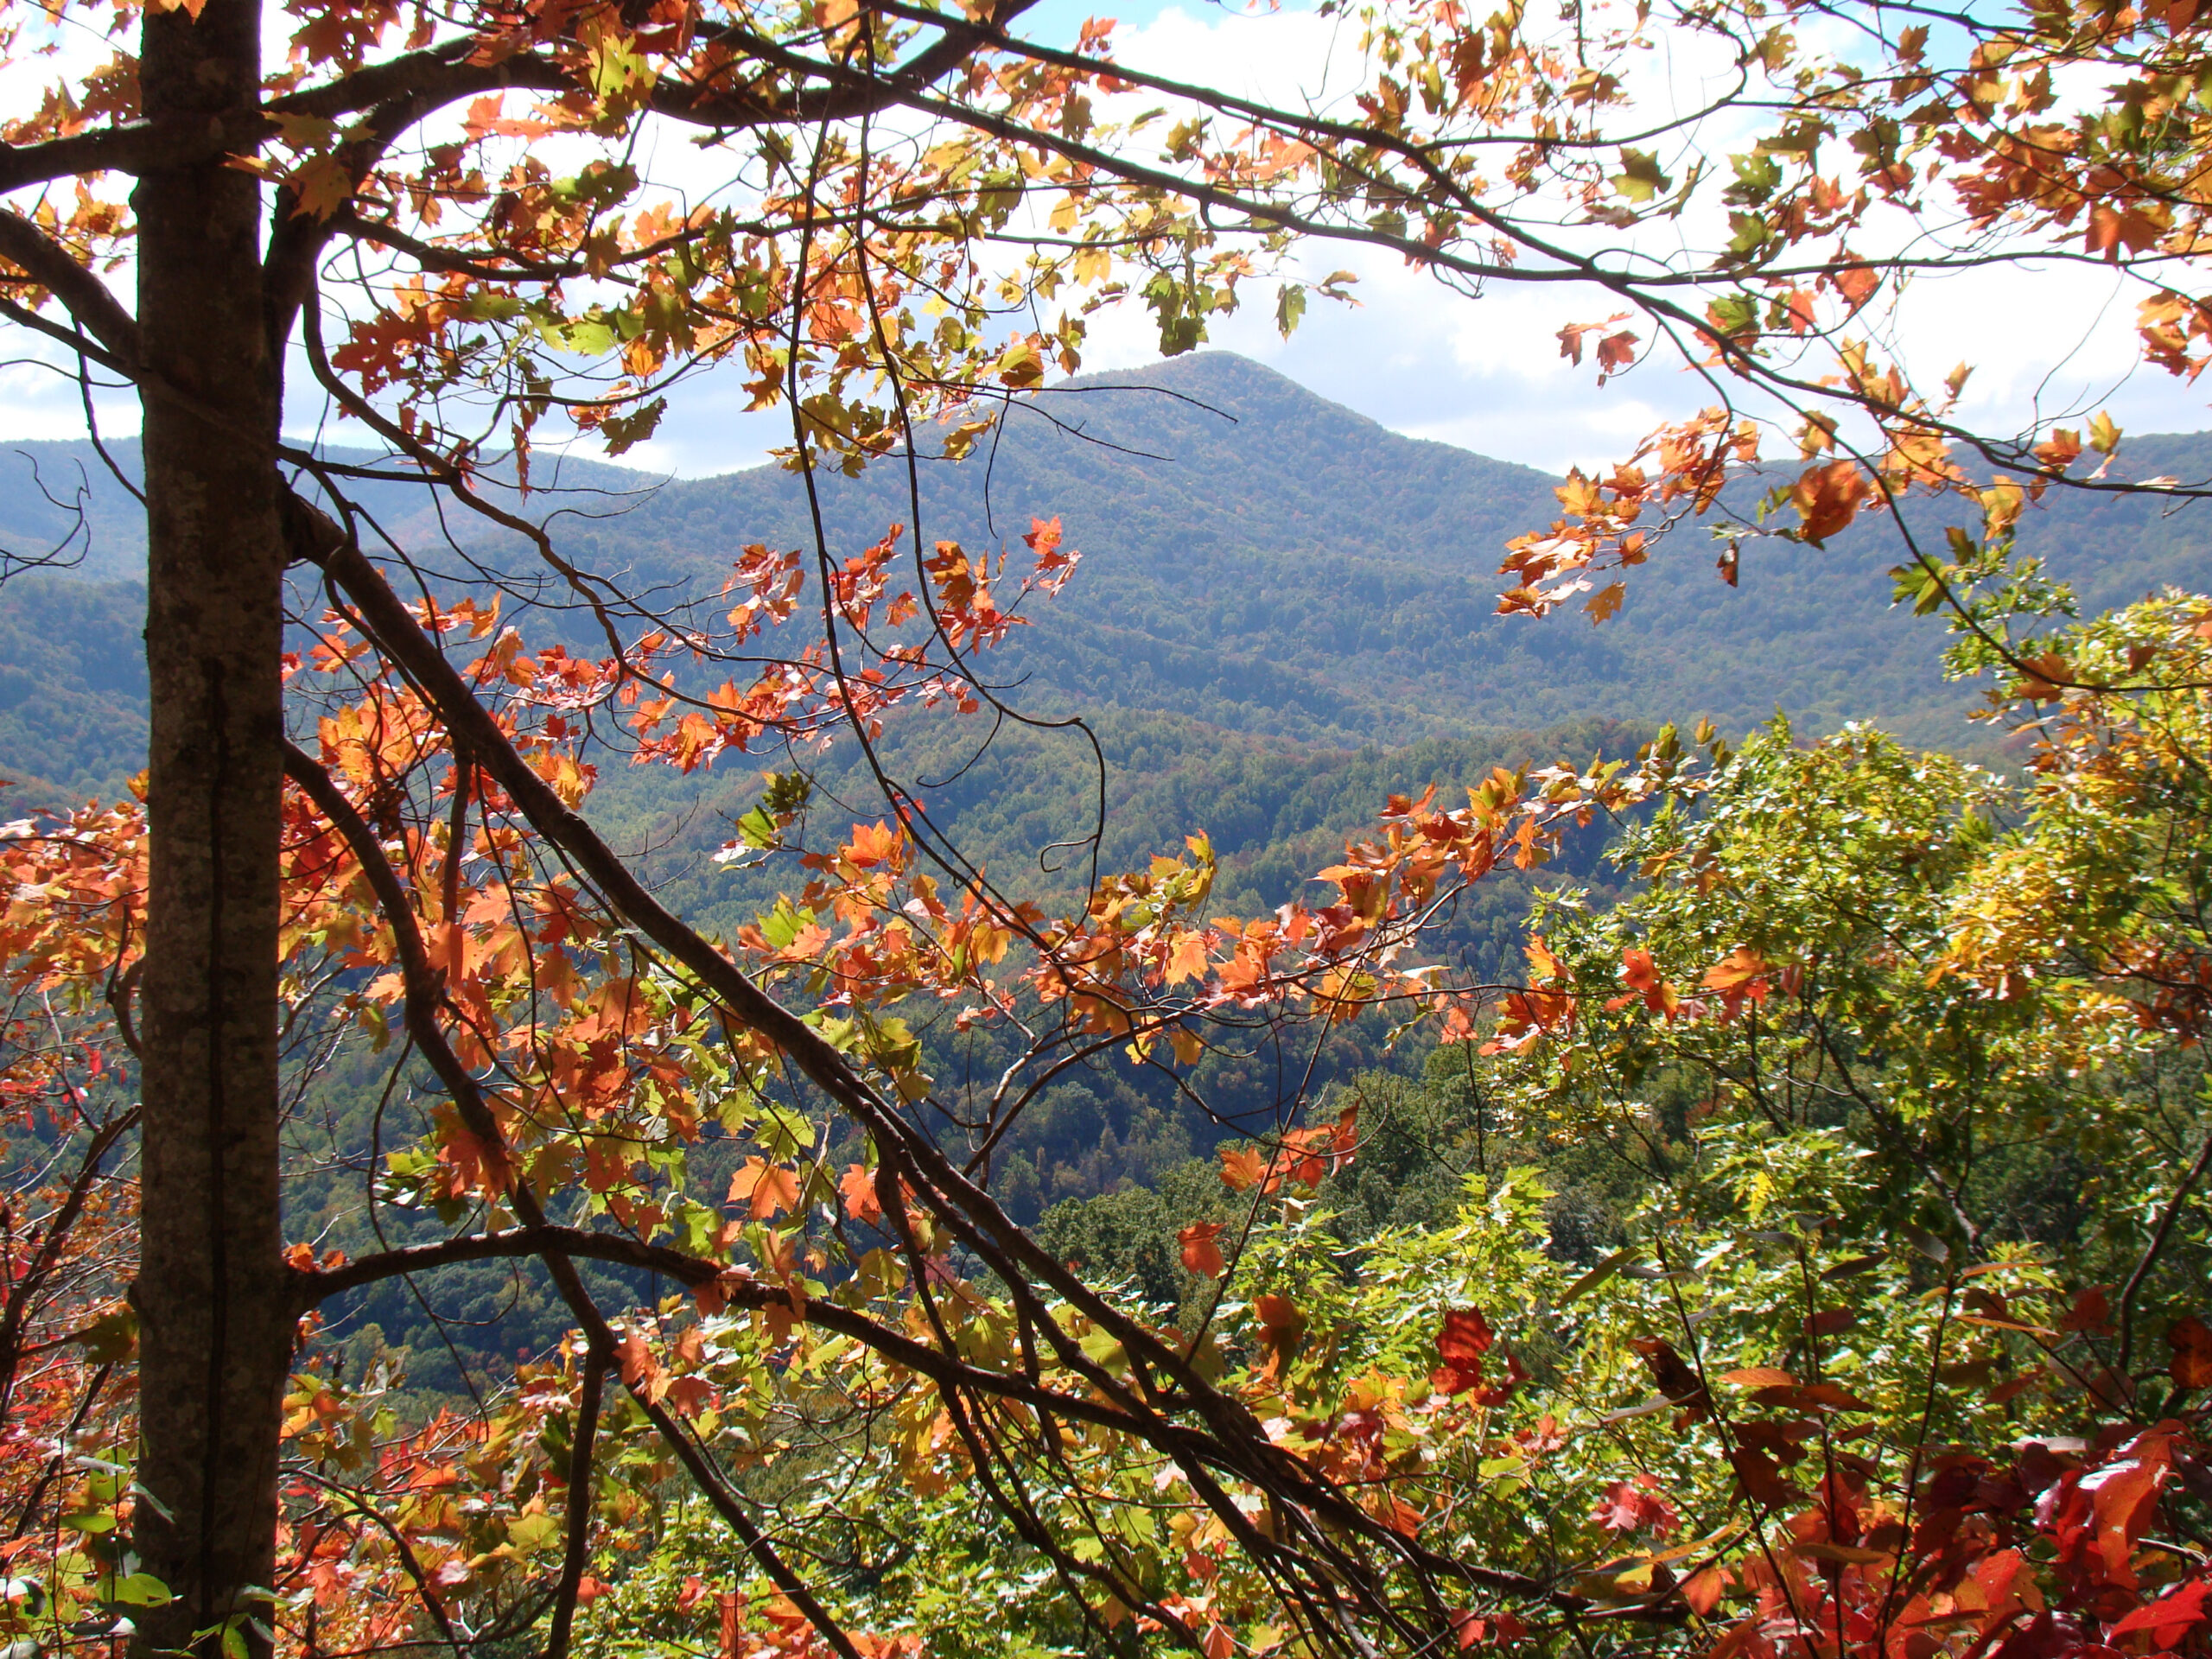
(1275, 592)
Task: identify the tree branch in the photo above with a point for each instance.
(89, 300)
(1234, 1439)
(579, 1501)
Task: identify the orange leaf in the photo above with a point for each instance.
(1201, 1255)
(1242, 1168)
(766, 1189)
(1187, 959)
(638, 1365)
(1703, 1588)
(1280, 1319)
(858, 1187)
(1828, 498)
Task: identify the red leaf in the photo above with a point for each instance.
(1629, 1505)
(1465, 1338)
(2192, 1361)
(1496, 1629)
(2170, 1616)
(1201, 1253)
(638, 1365)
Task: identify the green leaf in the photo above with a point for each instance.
(111, 1338)
(532, 1532)
(622, 432)
(1597, 1276)
(140, 1590)
(1641, 177)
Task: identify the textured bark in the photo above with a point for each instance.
(215, 1320)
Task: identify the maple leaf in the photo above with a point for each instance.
(1201, 1254)
(862, 1203)
(1828, 498)
(766, 1189)
(1643, 980)
(2124, 228)
(1703, 1589)
(2043, 676)
(1242, 1168)
(1634, 1505)
(1186, 957)
(1857, 283)
(1570, 338)
(321, 185)
(1470, 1630)
(1054, 563)
(1281, 1324)
(640, 1367)
(1740, 976)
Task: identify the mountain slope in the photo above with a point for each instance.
(1257, 560)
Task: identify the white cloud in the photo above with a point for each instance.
(2047, 341)
(1483, 372)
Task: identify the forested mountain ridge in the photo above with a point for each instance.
(1256, 559)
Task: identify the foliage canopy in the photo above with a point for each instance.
(1812, 1039)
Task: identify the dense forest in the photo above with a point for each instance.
(1256, 561)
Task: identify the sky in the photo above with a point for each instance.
(1483, 373)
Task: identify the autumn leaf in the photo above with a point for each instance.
(862, 1203)
(1186, 957)
(2191, 1341)
(2171, 1615)
(1703, 1589)
(1644, 981)
(1282, 1327)
(1242, 1167)
(1470, 1630)
(1465, 1338)
(1461, 1343)
(1740, 976)
(1671, 1372)
(635, 1354)
(766, 1189)
(1828, 498)
(1570, 338)
(1201, 1254)
(2113, 229)
(1603, 605)
(1635, 1505)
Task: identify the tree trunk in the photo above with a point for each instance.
(215, 1323)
